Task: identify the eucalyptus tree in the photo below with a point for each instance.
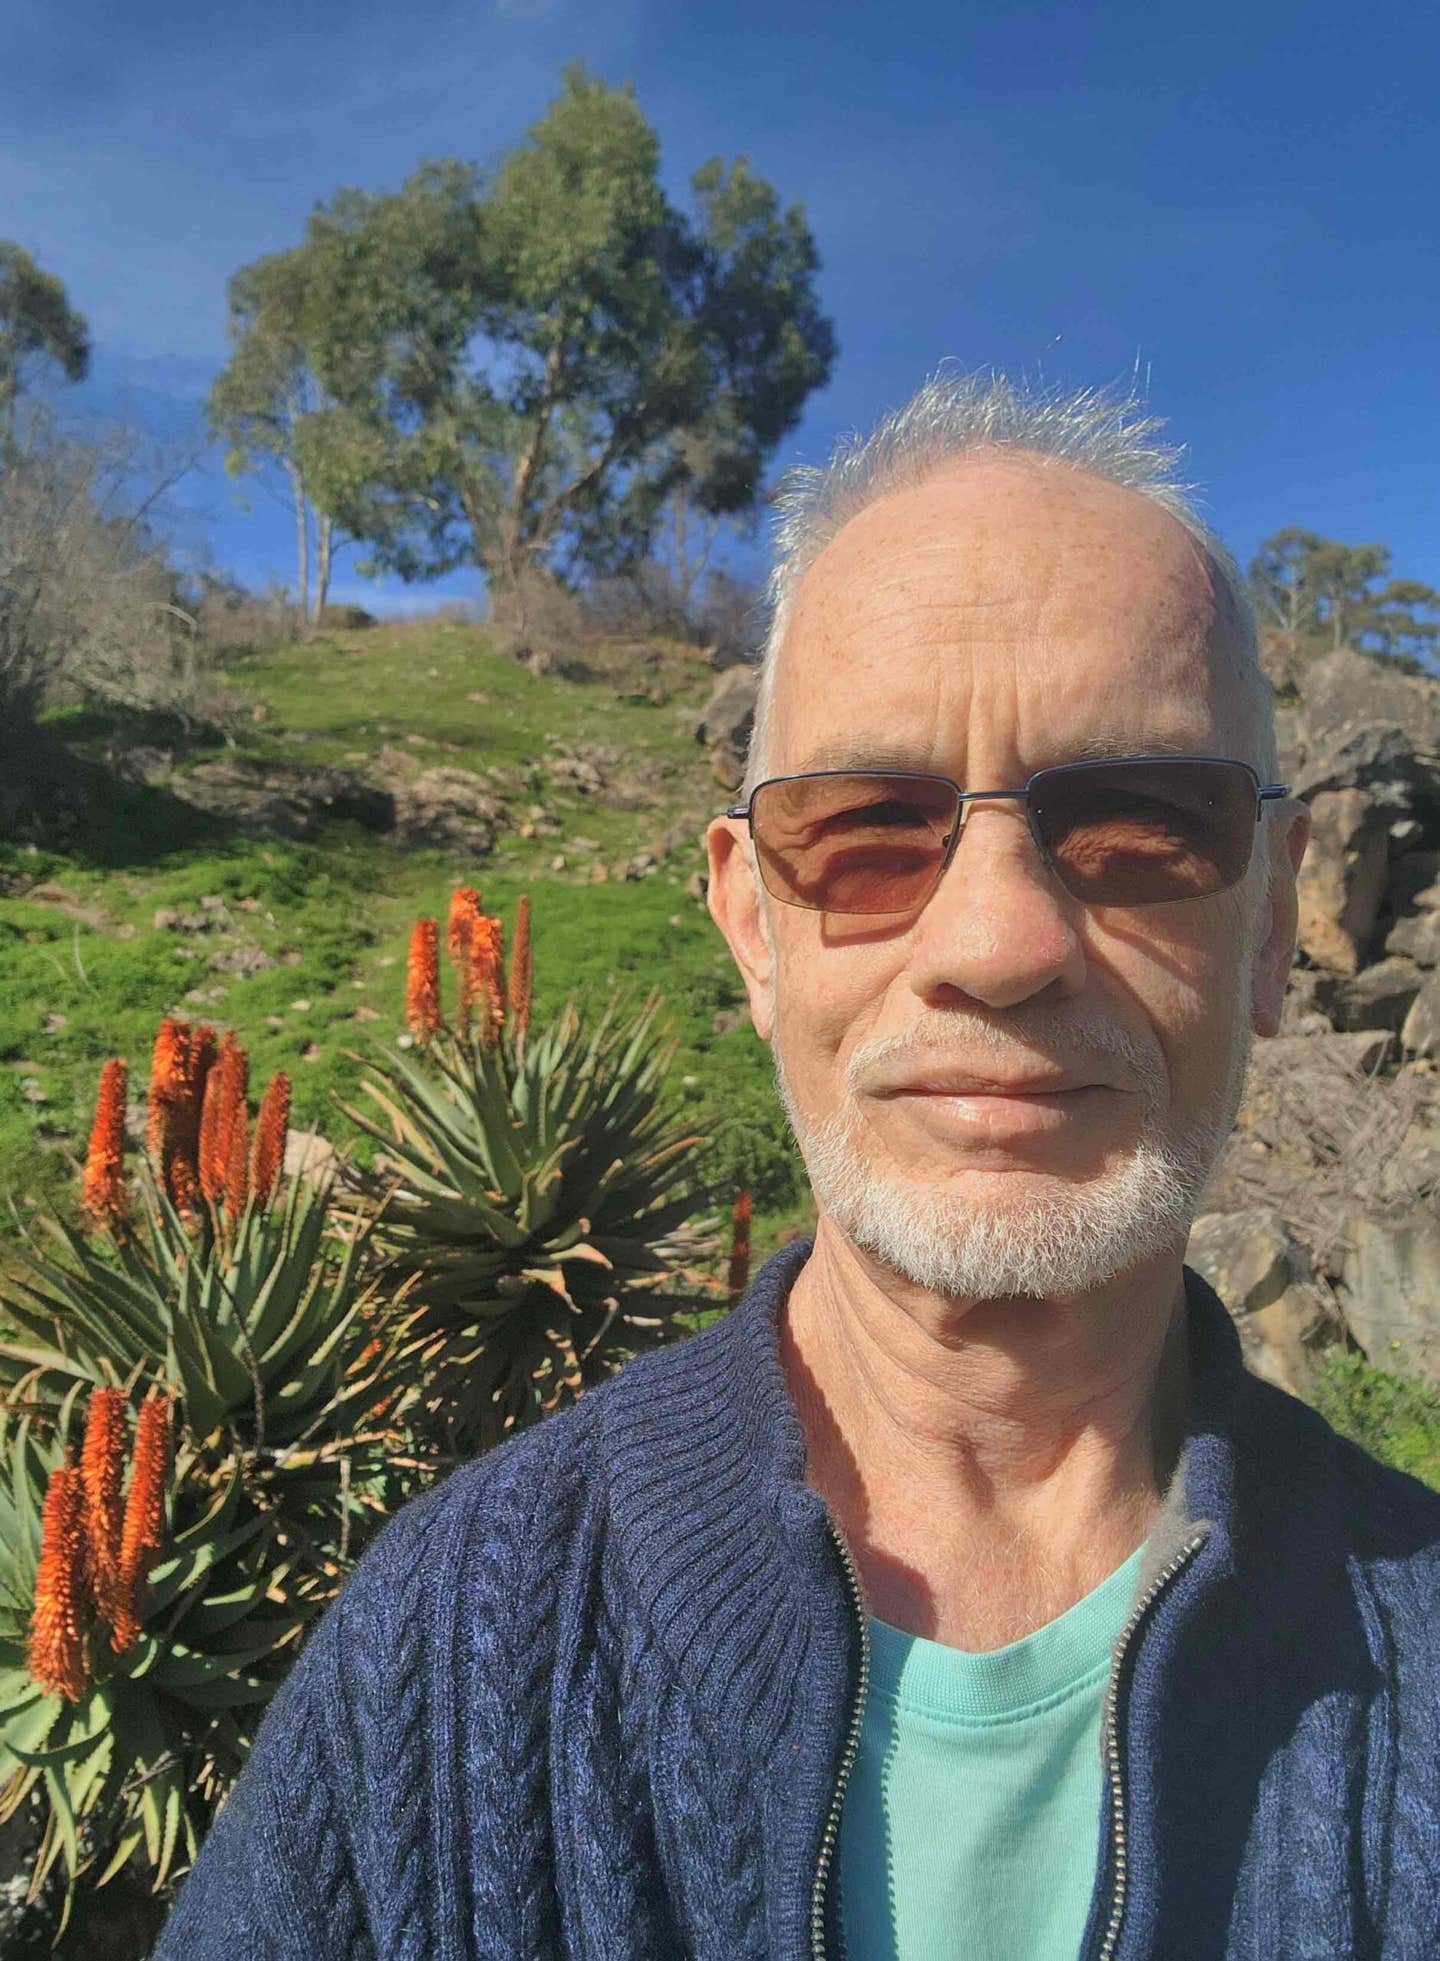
(523, 362)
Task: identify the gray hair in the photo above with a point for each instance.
(953, 416)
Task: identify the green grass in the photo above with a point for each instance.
(88, 971)
(1395, 1417)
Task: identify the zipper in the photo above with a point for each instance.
(1112, 1743)
(852, 1746)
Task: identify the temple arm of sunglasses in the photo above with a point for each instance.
(1270, 791)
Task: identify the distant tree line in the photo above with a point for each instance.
(1322, 592)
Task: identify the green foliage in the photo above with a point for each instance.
(141, 1760)
(1395, 1417)
(538, 1199)
(36, 322)
(518, 366)
(1316, 589)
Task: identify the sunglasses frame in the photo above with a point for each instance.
(1264, 793)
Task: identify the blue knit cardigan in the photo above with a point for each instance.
(594, 1697)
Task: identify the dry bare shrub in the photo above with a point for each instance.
(1337, 1143)
(88, 602)
(230, 619)
(536, 619)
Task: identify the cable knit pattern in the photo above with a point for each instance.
(589, 1698)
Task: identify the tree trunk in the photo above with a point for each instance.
(302, 541)
(324, 527)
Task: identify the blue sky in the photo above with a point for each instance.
(1237, 205)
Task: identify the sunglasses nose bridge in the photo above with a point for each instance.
(1027, 812)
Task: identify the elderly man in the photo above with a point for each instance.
(959, 1593)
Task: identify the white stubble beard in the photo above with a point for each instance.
(1045, 1234)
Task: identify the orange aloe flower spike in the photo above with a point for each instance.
(167, 1084)
(102, 1466)
(182, 1165)
(271, 1127)
(739, 1245)
(237, 1171)
(459, 938)
(102, 1194)
(487, 961)
(520, 967)
(422, 982)
(224, 1097)
(144, 1517)
(56, 1649)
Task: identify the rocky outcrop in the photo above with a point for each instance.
(726, 722)
(1322, 1222)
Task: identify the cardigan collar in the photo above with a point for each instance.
(727, 1546)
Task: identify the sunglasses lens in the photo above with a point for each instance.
(1139, 833)
(851, 842)
(1118, 834)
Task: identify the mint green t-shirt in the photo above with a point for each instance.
(971, 1822)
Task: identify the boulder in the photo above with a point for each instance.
(1265, 1279)
(1342, 879)
(452, 808)
(727, 721)
(1378, 996)
(1344, 689)
(1390, 1292)
(1417, 936)
(1421, 1031)
(284, 803)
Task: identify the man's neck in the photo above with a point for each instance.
(989, 1463)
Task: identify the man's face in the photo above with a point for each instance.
(989, 622)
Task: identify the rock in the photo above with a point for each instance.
(727, 722)
(1284, 1054)
(284, 803)
(1342, 879)
(726, 1020)
(308, 1154)
(1417, 936)
(1377, 997)
(1345, 689)
(1421, 1031)
(33, 1090)
(575, 773)
(245, 960)
(1265, 1279)
(452, 808)
(1391, 1287)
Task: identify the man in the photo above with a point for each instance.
(959, 1593)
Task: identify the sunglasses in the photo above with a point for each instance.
(1133, 831)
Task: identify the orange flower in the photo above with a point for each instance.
(739, 1245)
(56, 1650)
(144, 1517)
(520, 967)
(237, 1170)
(487, 963)
(224, 1105)
(270, 1129)
(102, 1464)
(422, 982)
(168, 1070)
(182, 1166)
(102, 1195)
(465, 915)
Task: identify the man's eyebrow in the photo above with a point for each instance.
(858, 752)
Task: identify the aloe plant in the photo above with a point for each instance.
(136, 1750)
(539, 1203)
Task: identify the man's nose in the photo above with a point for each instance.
(999, 926)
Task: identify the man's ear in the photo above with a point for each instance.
(1272, 963)
(734, 903)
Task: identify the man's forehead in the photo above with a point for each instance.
(854, 750)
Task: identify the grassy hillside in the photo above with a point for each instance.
(152, 907)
